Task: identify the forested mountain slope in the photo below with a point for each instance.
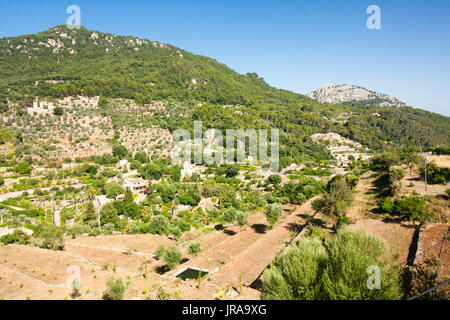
(60, 62)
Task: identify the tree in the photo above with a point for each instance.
(335, 200)
(335, 269)
(128, 198)
(273, 212)
(274, 179)
(158, 225)
(23, 168)
(89, 212)
(393, 177)
(119, 151)
(141, 157)
(383, 161)
(115, 289)
(411, 160)
(172, 257)
(175, 173)
(58, 111)
(232, 171)
(413, 209)
(108, 214)
(113, 189)
(6, 135)
(53, 237)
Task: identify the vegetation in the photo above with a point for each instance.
(17, 237)
(115, 289)
(335, 201)
(273, 212)
(194, 248)
(408, 208)
(334, 269)
(172, 257)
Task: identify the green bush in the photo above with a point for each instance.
(334, 269)
(159, 253)
(115, 289)
(183, 225)
(194, 248)
(273, 212)
(172, 257)
(158, 225)
(18, 237)
(53, 237)
(175, 231)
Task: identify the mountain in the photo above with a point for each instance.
(60, 63)
(63, 62)
(348, 94)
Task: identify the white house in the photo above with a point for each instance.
(136, 185)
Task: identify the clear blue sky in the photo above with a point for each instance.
(294, 44)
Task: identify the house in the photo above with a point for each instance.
(136, 185)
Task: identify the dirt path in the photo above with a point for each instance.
(358, 207)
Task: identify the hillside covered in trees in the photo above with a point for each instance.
(60, 62)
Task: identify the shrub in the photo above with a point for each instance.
(159, 252)
(108, 227)
(58, 111)
(75, 286)
(172, 257)
(194, 248)
(229, 215)
(115, 289)
(23, 168)
(158, 225)
(175, 231)
(273, 212)
(241, 218)
(18, 236)
(388, 205)
(183, 225)
(331, 270)
(108, 215)
(274, 179)
(113, 189)
(424, 276)
(53, 237)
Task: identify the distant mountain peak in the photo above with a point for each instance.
(347, 94)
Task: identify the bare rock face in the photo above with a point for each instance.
(343, 93)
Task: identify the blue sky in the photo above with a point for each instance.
(294, 44)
